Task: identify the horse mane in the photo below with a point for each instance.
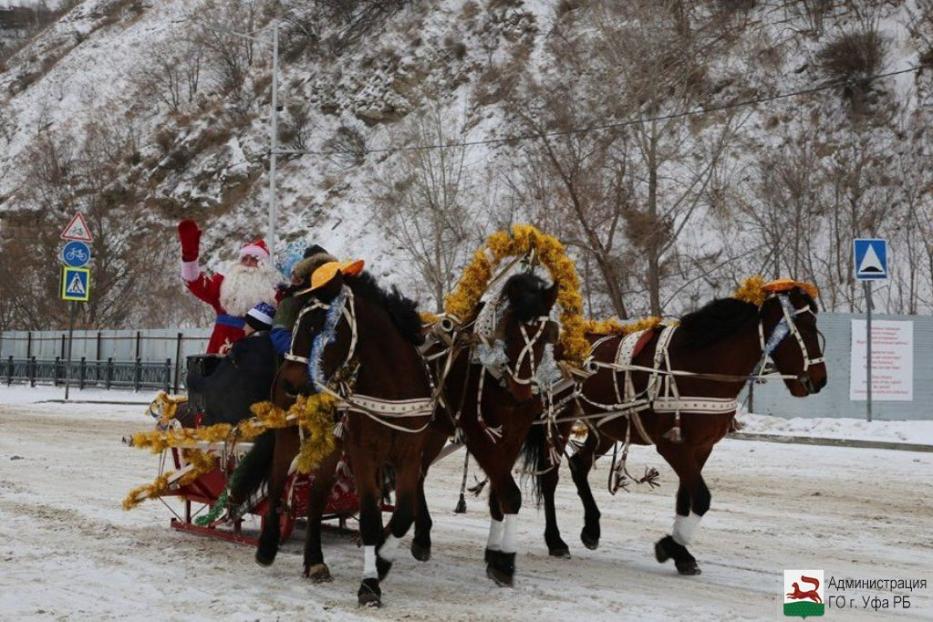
(402, 311)
(526, 293)
(716, 320)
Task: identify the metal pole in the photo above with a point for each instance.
(177, 362)
(868, 305)
(71, 330)
(273, 139)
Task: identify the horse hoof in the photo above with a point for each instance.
(319, 573)
(382, 567)
(501, 578)
(667, 548)
(264, 560)
(420, 552)
(560, 551)
(500, 567)
(590, 542)
(369, 594)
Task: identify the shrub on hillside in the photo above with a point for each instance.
(853, 56)
(852, 59)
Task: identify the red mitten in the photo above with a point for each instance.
(190, 237)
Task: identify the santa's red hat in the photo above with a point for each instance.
(257, 249)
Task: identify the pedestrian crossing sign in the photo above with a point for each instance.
(76, 284)
(871, 259)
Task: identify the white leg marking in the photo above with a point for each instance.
(494, 542)
(389, 549)
(369, 562)
(508, 536)
(685, 528)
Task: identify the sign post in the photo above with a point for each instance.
(76, 278)
(870, 260)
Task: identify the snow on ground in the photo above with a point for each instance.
(915, 431)
(68, 551)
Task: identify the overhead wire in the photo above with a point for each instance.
(699, 111)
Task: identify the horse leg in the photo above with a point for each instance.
(693, 501)
(407, 478)
(547, 482)
(315, 568)
(548, 477)
(421, 544)
(494, 539)
(580, 465)
(365, 473)
(285, 449)
(502, 546)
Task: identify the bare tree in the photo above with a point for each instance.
(215, 28)
(612, 123)
(421, 203)
(131, 262)
(172, 73)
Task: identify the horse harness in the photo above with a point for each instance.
(661, 393)
(483, 339)
(341, 383)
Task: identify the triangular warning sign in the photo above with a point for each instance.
(76, 287)
(77, 229)
(870, 262)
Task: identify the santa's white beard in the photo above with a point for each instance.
(244, 287)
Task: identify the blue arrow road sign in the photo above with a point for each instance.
(76, 254)
(870, 256)
(76, 284)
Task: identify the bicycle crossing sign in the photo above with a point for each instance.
(76, 254)
(77, 229)
(76, 284)
(871, 259)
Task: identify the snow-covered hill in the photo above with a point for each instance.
(179, 113)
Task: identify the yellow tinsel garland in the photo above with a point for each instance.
(314, 413)
(316, 416)
(201, 463)
(754, 290)
(751, 290)
(613, 326)
(461, 303)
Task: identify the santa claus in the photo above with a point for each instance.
(243, 284)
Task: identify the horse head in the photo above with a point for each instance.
(295, 374)
(789, 335)
(514, 350)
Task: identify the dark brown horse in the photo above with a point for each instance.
(718, 347)
(493, 404)
(360, 341)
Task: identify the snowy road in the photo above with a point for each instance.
(67, 550)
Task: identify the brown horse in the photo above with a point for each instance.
(360, 341)
(712, 352)
(493, 404)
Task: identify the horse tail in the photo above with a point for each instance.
(813, 580)
(534, 452)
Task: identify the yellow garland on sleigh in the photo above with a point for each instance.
(313, 413)
(461, 303)
(201, 463)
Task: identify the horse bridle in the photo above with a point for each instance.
(346, 309)
(787, 326)
(502, 370)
